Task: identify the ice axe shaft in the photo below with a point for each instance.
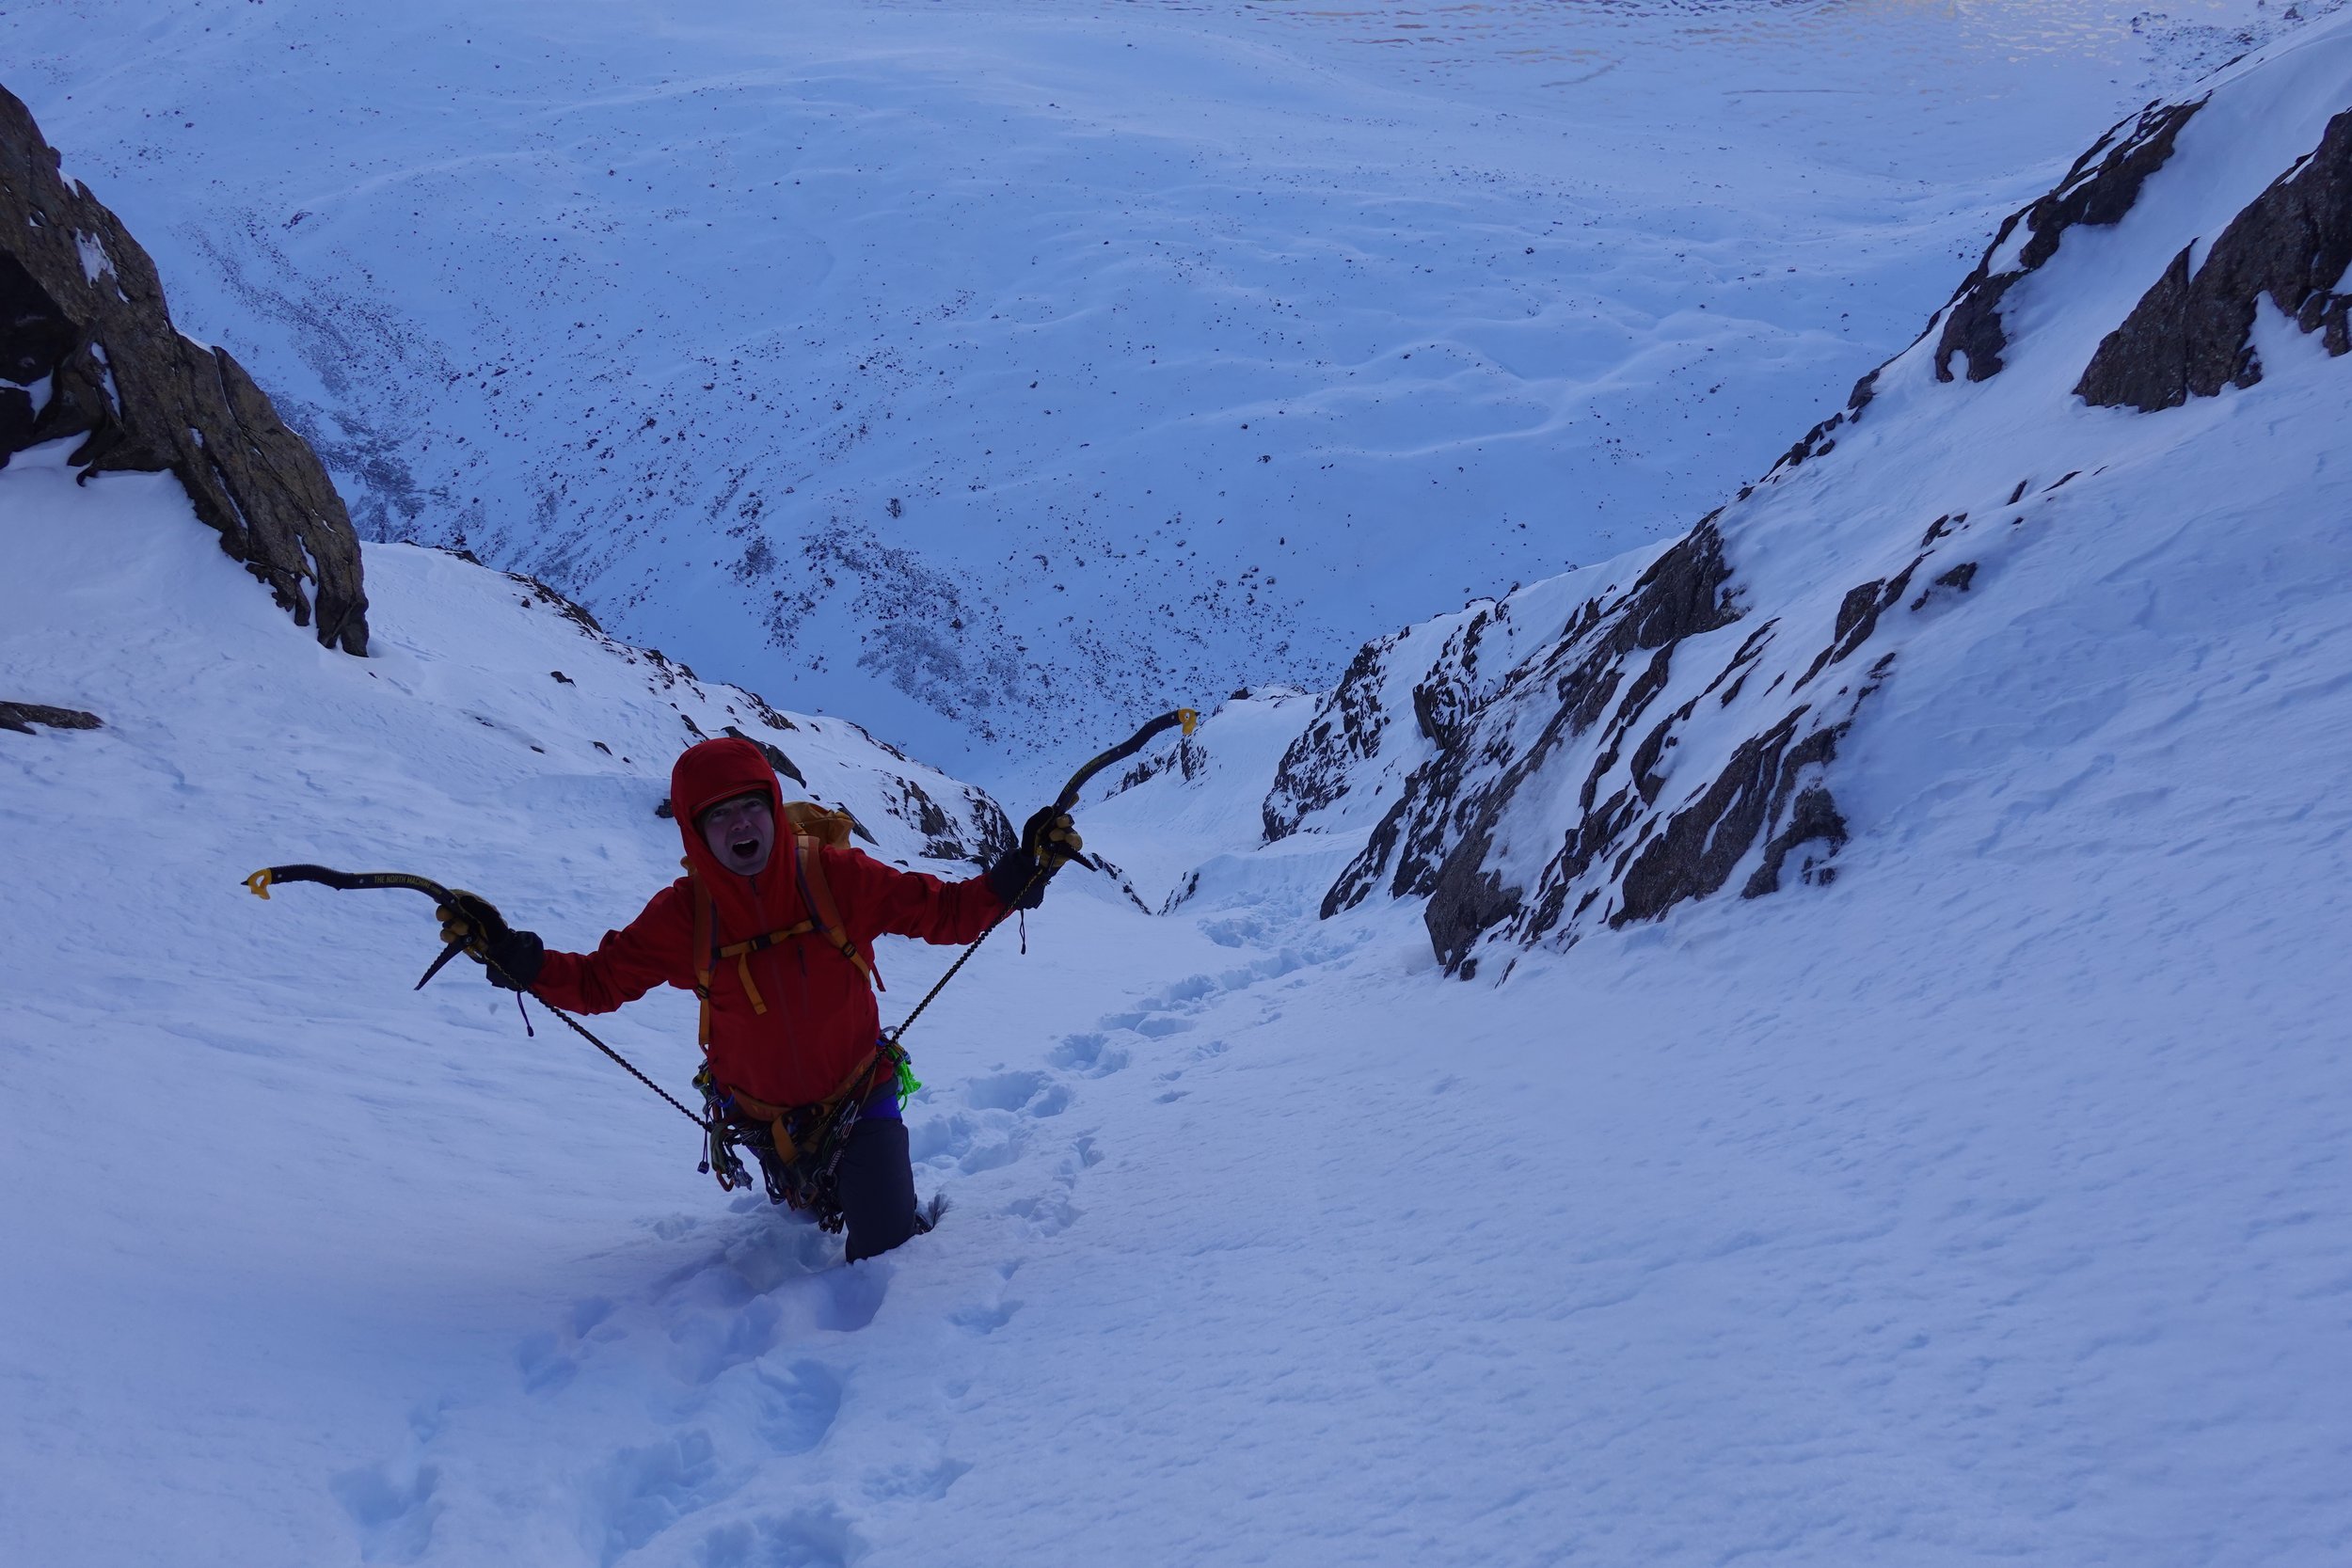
(262, 881)
(268, 877)
(1189, 718)
(1067, 798)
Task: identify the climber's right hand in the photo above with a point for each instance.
(1052, 839)
(512, 957)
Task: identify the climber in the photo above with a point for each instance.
(778, 941)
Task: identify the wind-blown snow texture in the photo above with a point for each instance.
(977, 369)
(1982, 1205)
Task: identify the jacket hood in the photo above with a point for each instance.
(706, 773)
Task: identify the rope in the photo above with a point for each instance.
(627, 1065)
(892, 1033)
(1067, 798)
(712, 1126)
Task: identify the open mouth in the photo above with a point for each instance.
(745, 848)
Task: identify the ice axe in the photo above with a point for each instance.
(1125, 749)
(268, 877)
(1188, 717)
(260, 882)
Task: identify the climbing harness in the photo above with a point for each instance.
(798, 1148)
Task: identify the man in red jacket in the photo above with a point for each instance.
(790, 1022)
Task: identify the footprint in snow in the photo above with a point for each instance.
(1005, 1091)
(1002, 1109)
(1091, 1053)
(971, 1143)
(544, 1368)
(797, 1404)
(980, 1322)
(639, 1492)
(810, 1538)
(848, 1298)
(915, 1484)
(394, 1517)
(705, 1347)
(778, 1246)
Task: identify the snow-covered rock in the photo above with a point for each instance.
(1669, 726)
(2192, 332)
(87, 350)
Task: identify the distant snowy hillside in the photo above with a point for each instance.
(1596, 748)
(990, 370)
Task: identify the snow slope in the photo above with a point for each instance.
(1983, 1204)
(1208, 805)
(981, 369)
(191, 1314)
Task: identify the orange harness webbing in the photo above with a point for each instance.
(859, 1083)
(816, 895)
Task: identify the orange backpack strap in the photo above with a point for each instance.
(742, 953)
(808, 863)
(825, 917)
(703, 954)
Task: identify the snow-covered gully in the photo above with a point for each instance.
(1816, 1040)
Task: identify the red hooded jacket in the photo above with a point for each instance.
(820, 1016)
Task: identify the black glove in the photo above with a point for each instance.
(1052, 839)
(1049, 841)
(512, 957)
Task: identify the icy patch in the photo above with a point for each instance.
(95, 263)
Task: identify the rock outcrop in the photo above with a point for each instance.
(2192, 333)
(21, 717)
(1345, 734)
(2098, 191)
(1546, 807)
(87, 349)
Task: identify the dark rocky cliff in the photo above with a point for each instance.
(87, 349)
(2192, 333)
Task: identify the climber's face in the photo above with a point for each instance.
(742, 831)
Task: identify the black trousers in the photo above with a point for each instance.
(877, 1186)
